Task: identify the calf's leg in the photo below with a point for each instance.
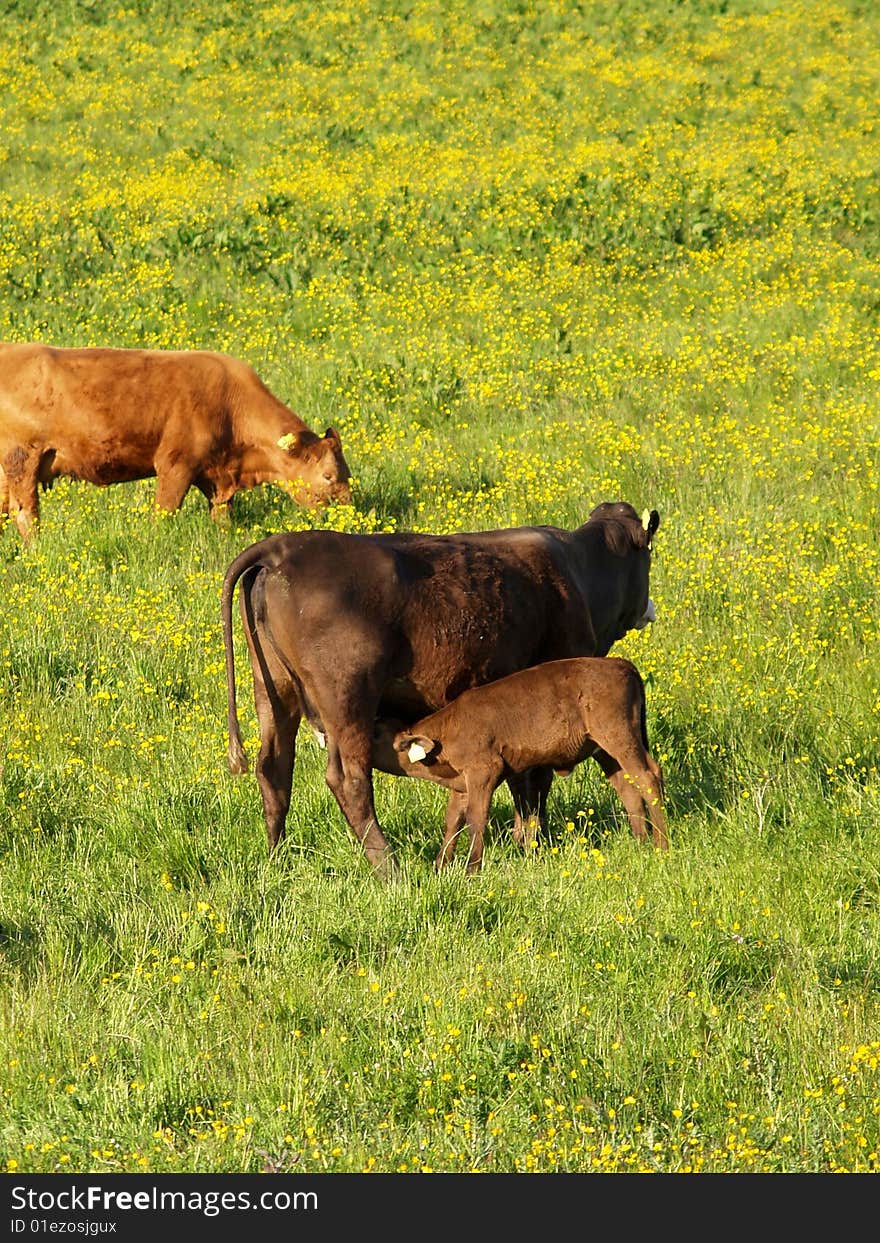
(481, 785)
(456, 815)
(529, 790)
(636, 778)
(656, 802)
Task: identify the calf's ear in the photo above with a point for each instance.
(331, 434)
(416, 746)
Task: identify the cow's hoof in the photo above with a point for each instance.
(384, 866)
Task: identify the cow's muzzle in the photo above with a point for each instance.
(340, 493)
(649, 615)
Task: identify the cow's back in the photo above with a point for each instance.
(63, 394)
(438, 613)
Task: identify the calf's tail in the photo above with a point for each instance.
(643, 714)
(643, 722)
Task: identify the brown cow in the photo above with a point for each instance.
(189, 417)
(350, 629)
(556, 714)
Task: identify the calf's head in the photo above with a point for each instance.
(419, 748)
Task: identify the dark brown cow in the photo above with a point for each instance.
(189, 417)
(557, 715)
(349, 629)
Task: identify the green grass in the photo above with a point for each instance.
(532, 261)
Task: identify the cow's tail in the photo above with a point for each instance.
(256, 557)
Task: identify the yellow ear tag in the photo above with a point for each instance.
(416, 752)
(646, 519)
(287, 441)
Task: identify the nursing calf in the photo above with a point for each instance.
(554, 715)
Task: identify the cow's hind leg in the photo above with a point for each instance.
(279, 720)
(350, 778)
(529, 790)
(276, 699)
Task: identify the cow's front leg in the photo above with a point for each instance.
(350, 778)
(218, 494)
(529, 790)
(174, 477)
(20, 491)
(221, 514)
(4, 498)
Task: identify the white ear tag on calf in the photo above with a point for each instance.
(416, 752)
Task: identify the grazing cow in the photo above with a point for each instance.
(557, 715)
(189, 417)
(350, 629)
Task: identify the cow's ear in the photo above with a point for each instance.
(650, 521)
(416, 746)
(290, 442)
(331, 434)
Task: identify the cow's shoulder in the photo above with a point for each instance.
(20, 357)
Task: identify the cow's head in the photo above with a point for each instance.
(314, 468)
(627, 538)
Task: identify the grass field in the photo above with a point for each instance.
(525, 257)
